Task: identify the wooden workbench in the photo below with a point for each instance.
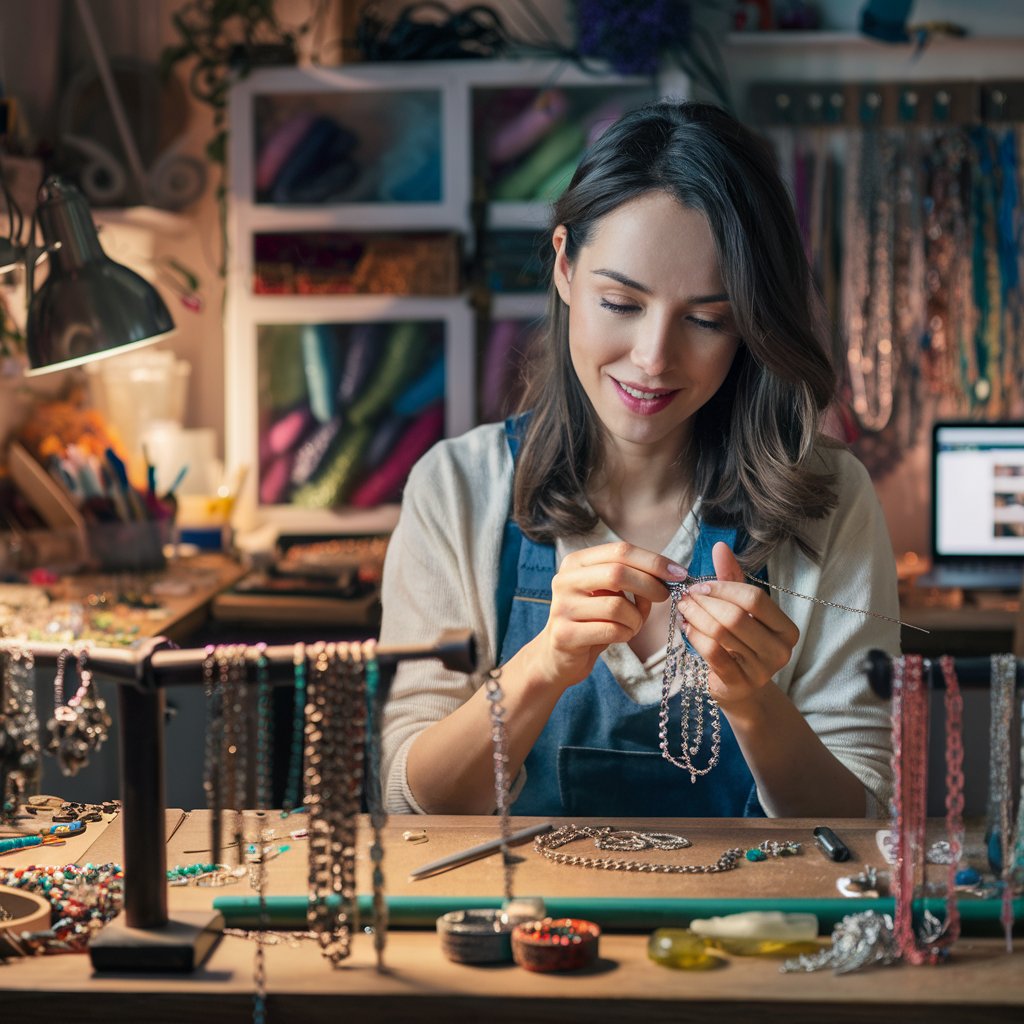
(980, 983)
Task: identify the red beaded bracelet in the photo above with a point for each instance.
(562, 944)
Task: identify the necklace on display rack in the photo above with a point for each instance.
(931, 940)
(1006, 851)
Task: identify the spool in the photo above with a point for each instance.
(28, 913)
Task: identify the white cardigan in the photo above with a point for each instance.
(441, 572)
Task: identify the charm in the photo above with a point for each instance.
(858, 941)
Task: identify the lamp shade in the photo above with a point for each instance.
(89, 306)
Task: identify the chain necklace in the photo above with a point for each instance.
(549, 843)
(334, 732)
(263, 743)
(233, 756)
(1000, 793)
(692, 671)
(80, 725)
(366, 657)
(499, 738)
(21, 724)
(293, 789)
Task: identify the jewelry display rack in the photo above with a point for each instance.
(971, 672)
(143, 936)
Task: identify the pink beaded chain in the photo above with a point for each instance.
(910, 760)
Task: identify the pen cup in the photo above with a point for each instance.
(128, 546)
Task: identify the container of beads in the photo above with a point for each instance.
(20, 912)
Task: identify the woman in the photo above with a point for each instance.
(673, 425)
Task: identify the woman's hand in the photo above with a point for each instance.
(736, 628)
(599, 596)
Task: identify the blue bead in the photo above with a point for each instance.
(968, 876)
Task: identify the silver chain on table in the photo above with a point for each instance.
(549, 843)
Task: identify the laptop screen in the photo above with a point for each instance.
(977, 491)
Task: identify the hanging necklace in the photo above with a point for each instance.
(999, 834)
(932, 940)
(692, 672)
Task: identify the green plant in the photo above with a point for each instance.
(227, 39)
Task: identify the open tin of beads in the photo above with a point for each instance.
(555, 944)
(480, 936)
(20, 912)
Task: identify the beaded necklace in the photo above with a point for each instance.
(867, 292)
(82, 899)
(932, 940)
(367, 657)
(293, 794)
(263, 747)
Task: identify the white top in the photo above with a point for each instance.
(441, 572)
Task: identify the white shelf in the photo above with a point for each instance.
(825, 38)
(453, 89)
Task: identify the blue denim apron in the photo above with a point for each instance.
(598, 754)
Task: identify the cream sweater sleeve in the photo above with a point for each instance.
(824, 677)
(441, 572)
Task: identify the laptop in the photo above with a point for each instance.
(977, 506)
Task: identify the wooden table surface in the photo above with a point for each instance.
(981, 982)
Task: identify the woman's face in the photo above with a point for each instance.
(650, 329)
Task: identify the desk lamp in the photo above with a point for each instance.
(89, 306)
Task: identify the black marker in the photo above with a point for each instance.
(831, 845)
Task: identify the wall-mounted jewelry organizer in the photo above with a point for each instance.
(907, 192)
(143, 936)
(884, 104)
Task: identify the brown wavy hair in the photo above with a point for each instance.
(753, 441)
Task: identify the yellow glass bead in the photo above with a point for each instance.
(681, 949)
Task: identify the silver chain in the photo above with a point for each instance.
(549, 843)
(1003, 684)
(816, 600)
(499, 738)
(694, 692)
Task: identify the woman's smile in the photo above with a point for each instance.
(651, 334)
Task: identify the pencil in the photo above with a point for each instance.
(456, 860)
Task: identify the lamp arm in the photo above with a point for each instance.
(113, 98)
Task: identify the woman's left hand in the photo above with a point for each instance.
(737, 629)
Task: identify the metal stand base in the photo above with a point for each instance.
(180, 945)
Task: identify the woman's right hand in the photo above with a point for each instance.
(599, 596)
